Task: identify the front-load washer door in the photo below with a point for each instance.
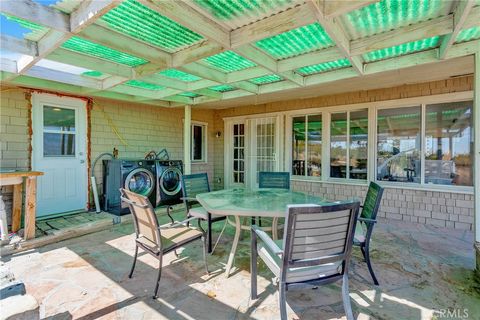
(171, 181)
(140, 181)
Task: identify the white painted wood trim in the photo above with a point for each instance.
(187, 133)
(476, 168)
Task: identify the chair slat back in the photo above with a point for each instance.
(317, 235)
(145, 220)
(193, 184)
(278, 180)
(372, 201)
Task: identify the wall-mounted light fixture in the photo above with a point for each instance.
(218, 134)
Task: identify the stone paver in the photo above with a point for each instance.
(422, 270)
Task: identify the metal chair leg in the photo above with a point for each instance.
(369, 264)
(253, 266)
(209, 232)
(346, 298)
(155, 295)
(134, 262)
(283, 300)
(204, 242)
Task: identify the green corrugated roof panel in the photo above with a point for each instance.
(229, 61)
(229, 9)
(136, 20)
(322, 67)
(189, 94)
(469, 34)
(295, 42)
(402, 49)
(391, 14)
(37, 31)
(179, 75)
(266, 79)
(87, 47)
(93, 73)
(222, 88)
(144, 85)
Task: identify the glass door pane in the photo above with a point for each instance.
(358, 144)
(58, 132)
(338, 145)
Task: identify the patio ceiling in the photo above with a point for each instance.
(172, 53)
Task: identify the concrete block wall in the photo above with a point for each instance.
(441, 209)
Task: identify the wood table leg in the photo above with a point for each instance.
(30, 207)
(17, 207)
(231, 256)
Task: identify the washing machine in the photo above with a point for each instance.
(138, 176)
(169, 182)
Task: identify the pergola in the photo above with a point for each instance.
(173, 53)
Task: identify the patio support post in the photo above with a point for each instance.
(476, 181)
(187, 132)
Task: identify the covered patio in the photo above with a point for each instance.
(339, 96)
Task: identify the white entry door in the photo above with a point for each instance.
(59, 150)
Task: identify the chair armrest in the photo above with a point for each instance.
(267, 240)
(189, 199)
(366, 220)
(178, 223)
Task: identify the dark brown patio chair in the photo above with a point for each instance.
(366, 222)
(315, 250)
(193, 184)
(155, 239)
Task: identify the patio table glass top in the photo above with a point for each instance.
(254, 202)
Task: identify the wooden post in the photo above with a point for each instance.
(476, 167)
(187, 132)
(17, 206)
(30, 207)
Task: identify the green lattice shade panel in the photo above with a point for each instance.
(295, 42)
(222, 88)
(179, 75)
(469, 34)
(229, 61)
(94, 74)
(266, 79)
(37, 31)
(144, 85)
(391, 14)
(136, 20)
(402, 49)
(230, 9)
(322, 67)
(93, 49)
(189, 94)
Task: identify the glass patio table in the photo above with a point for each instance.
(242, 202)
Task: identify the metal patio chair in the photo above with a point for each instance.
(193, 184)
(315, 250)
(155, 239)
(366, 222)
(276, 180)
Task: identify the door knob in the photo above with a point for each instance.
(82, 161)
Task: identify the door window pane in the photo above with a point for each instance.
(58, 119)
(358, 144)
(58, 144)
(298, 146)
(338, 145)
(314, 141)
(399, 144)
(449, 144)
(238, 153)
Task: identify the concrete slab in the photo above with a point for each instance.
(423, 271)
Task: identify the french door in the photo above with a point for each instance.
(251, 145)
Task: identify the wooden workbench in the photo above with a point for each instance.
(16, 178)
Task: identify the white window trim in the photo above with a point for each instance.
(372, 108)
(204, 159)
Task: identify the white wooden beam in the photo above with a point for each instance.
(38, 13)
(200, 84)
(22, 46)
(88, 12)
(185, 15)
(187, 136)
(209, 93)
(337, 34)
(63, 77)
(476, 157)
(463, 49)
(9, 66)
(195, 53)
(400, 62)
(166, 82)
(247, 74)
(204, 72)
(284, 21)
(246, 86)
(330, 76)
(308, 59)
(460, 15)
(333, 8)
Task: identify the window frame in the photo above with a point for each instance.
(204, 126)
(306, 176)
(372, 108)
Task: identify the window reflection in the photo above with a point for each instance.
(448, 144)
(298, 146)
(398, 144)
(338, 145)
(314, 145)
(358, 144)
